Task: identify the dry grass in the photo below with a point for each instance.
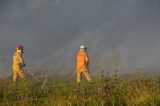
(107, 90)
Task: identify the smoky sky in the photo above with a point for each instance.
(52, 31)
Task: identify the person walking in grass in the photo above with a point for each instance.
(83, 64)
(18, 63)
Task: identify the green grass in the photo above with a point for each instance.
(130, 90)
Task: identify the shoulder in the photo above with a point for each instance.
(81, 54)
(17, 55)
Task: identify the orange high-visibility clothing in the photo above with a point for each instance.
(18, 63)
(82, 61)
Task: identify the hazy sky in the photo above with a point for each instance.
(52, 30)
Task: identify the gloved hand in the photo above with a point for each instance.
(23, 65)
(87, 64)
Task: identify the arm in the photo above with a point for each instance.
(21, 61)
(87, 59)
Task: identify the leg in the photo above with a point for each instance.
(14, 76)
(78, 77)
(87, 75)
(21, 74)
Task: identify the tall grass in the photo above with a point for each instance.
(107, 90)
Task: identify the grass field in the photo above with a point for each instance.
(107, 90)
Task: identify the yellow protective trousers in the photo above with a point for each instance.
(18, 72)
(87, 75)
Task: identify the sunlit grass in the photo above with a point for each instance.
(129, 90)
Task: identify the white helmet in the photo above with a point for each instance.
(82, 47)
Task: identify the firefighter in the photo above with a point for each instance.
(83, 64)
(18, 63)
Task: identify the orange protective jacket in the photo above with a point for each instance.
(82, 61)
